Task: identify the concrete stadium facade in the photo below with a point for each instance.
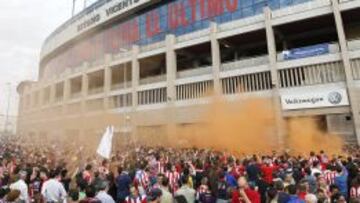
(150, 64)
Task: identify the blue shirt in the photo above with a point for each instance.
(295, 199)
(123, 182)
(230, 180)
(341, 181)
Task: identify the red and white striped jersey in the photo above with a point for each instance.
(330, 176)
(355, 192)
(173, 177)
(139, 199)
(313, 159)
(160, 167)
(142, 178)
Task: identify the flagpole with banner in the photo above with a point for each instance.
(104, 148)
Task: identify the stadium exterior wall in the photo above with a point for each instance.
(329, 85)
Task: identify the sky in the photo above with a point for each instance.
(24, 26)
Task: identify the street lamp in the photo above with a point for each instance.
(7, 108)
(126, 128)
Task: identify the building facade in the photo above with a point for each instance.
(148, 66)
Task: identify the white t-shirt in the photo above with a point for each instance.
(22, 187)
(53, 191)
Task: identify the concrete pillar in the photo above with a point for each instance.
(107, 82)
(216, 58)
(271, 45)
(135, 74)
(171, 69)
(135, 78)
(347, 68)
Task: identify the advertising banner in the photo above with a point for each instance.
(332, 97)
(304, 52)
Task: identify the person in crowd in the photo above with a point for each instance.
(272, 195)
(3, 193)
(341, 180)
(282, 196)
(90, 195)
(186, 190)
(294, 198)
(21, 186)
(245, 193)
(87, 174)
(13, 196)
(154, 196)
(102, 195)
(222, 189)
(73, 196)
(123, 182)
(166, 196)
(135, 196)
(183, 175)
(53, 190)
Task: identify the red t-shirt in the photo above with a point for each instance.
(302, 195)
(253, 196)
(268, 172)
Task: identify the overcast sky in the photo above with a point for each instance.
(24, 27)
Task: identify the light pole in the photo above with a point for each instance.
(73, 8)
(127, 118)
(8, 107)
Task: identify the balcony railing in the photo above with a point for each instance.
(98, 62)
(354, 44)
(193, 35)
(194, 72)
(121, 85)
(75, 95)
(244, 63)
(96, 90)
(152, 79)
(121, 55)
(153, 46)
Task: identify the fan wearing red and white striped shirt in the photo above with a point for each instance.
(173, 177)
(135, 197)
(330, 176)
(142, 180)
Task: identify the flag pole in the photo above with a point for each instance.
(73, 8)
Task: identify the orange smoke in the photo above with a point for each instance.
(242, 127)
(304, 135)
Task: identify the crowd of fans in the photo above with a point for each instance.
(57, 174)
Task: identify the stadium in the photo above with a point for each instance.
(150, 64)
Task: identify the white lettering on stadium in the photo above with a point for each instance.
(88, 22)
(120, 6)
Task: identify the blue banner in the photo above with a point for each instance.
(308, 51)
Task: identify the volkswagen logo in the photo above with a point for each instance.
(334, 98)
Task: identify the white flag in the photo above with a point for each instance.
(104, 148)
